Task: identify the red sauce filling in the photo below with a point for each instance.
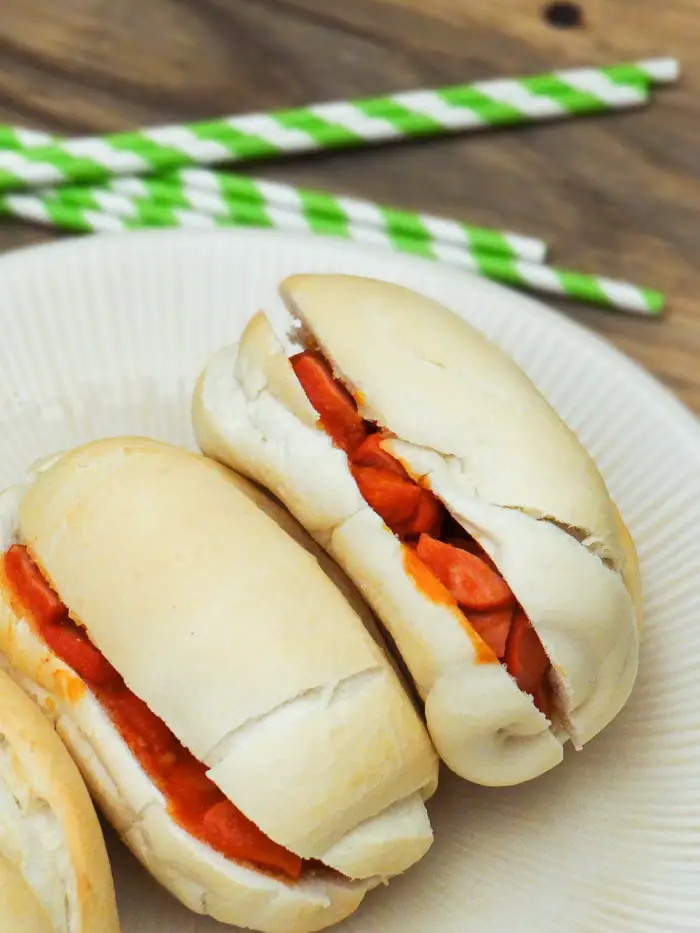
(446, 563)
(195, 803)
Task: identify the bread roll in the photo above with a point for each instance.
(231, 632)
(54, 872)
(463, 418)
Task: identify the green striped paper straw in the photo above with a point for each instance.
(221, 195)
(319, 126)
(598, 81)
(594, 289)
(209, 192)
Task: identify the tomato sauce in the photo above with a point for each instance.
(194, 802)
(445, 563)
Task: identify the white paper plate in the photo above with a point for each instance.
(106, 335)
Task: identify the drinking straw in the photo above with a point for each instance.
(640, 73)
(221, 195)
(323, 126)
(622, 296)
(187, 197)
(210, 192)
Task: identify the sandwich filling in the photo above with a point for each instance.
(444, 561)
(194, 802)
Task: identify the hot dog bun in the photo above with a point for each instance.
(470, 423)
(54, 872)
(232, 634)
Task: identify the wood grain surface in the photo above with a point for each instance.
(619, 195)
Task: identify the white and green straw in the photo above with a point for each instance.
(184, 197)
(209, 192)
(140, 213)
(223, 195)
(479, 105)
(213, 192)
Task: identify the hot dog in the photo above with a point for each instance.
(224, 695)
(54, 872)
(472, 518)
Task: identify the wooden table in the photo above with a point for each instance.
(617, 195)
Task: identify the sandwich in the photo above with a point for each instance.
(54, 871)
(474, 522)
(234, 715)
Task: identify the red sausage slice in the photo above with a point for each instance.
(336, 407)
(31, 588)
(525, 657)
(493, 627)
(470, 580)
(370, 453)
(392, 497)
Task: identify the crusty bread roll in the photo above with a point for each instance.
(463, 418)
(231, 632)
(54, 872)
